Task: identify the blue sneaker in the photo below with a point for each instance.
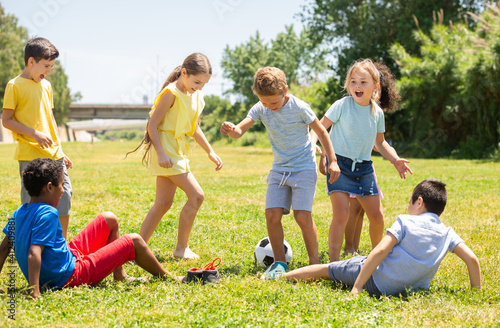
(275, 271)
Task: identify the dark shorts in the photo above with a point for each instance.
(360, 182)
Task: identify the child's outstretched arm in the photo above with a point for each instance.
(161, 109)
(8, 122)
(200, 138)
(5, 247)
(324, 139)
(34, 265)
(390, 154)
(470, 259)
(325, 121)
(236, 131)
(373, 260)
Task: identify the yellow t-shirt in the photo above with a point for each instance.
(180, 121)
(32, 105)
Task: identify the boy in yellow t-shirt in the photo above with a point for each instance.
(27, 112)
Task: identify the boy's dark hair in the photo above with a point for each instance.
(39, 48)
(433, 193)
(39, 172)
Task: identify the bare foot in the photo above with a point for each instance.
(141, 279)
(185, 253)
(120, 275)
(350, 252)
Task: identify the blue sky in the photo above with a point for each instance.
(118, 51)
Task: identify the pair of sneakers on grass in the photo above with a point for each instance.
(207, 274)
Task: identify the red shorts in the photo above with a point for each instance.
(95, 258)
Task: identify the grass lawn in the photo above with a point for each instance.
(229, 224)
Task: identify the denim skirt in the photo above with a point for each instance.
(358, 182)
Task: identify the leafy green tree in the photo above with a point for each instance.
(215, 112)
(451, 92)
(12, 40)
(354, 29)
(319, 95)
(288, 51)
(61, 93)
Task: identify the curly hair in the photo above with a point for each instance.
(269, 81)
(389, 97)
(39, 172)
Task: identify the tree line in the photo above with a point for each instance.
(444, 54)
(13, 38)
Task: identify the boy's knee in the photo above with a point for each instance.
(137, 239)
(303, 218)
(274, 215)
(111, 220)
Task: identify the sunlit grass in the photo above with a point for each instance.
(230, 223)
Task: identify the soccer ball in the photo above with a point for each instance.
(264, 253)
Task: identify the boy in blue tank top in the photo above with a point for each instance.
(409, 255)
(291, 183)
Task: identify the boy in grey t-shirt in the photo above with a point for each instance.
(408, 256)
(291, 184)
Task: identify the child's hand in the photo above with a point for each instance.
(322, 164)
(68, 162)
(216, 159)
(402, 168)
(165, 161)
(334, 170)
(355, 291)
(227, 127)
(42, 139)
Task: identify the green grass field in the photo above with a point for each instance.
(229, 224)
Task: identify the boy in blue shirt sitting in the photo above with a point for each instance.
(408, 256)
(41, 251)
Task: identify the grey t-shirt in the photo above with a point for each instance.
(288, 132)
(423, 242)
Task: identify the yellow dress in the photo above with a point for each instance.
(180, 121)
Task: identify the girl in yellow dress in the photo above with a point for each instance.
(175, 115)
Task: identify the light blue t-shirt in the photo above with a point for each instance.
(423, 242)
(288, 132)
(38, 224)
(354, 129)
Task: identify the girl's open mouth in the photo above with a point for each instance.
(359, 94)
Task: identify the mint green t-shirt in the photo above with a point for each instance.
(354, 129)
